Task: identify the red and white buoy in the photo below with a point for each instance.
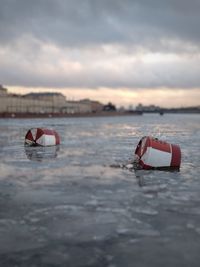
(42, 137)
(153, 153)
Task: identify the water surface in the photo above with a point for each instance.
(65, 206)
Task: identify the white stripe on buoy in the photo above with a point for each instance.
(156, 158)
(46, 140)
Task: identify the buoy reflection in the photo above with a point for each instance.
(39, 153)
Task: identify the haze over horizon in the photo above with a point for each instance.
(127, 52)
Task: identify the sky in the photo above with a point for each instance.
(127, 52)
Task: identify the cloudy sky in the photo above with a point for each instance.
(126, 51)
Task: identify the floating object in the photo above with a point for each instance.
(152, 153)
(129, 166)
(42, 137)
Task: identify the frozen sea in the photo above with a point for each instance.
(67, 206)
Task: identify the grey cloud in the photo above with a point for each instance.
(77, 22)
(128, 26)
(93, 69)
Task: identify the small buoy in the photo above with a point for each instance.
(42, 137)
(152, 153)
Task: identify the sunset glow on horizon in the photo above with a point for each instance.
(124, 97)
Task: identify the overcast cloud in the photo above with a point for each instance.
(100, 43)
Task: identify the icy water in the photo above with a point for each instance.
(67, 207)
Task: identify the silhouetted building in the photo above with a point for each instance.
(109, 107)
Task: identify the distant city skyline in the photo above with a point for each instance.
(123, 97)
(126, 52)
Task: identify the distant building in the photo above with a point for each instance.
(95, 106)
(72, 107)
(109, 107)
(139, 107)
(3, 91)
(121, 109)
(44, 103)
(40, 103)
(17, 104)
(150, 108)
(58, 100)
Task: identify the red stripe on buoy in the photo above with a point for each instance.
(39, 133)
(176, 156)
(48, 132)
(160, 145)
(29, 136)
(57, 138)
(142, 146)
(144, 166)
(138, 149)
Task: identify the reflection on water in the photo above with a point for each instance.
(142, 174)
(40, 153)
(133, 166)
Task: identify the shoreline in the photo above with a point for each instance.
(20, 115)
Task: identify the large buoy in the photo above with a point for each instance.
(153, 153)
(42, 137)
